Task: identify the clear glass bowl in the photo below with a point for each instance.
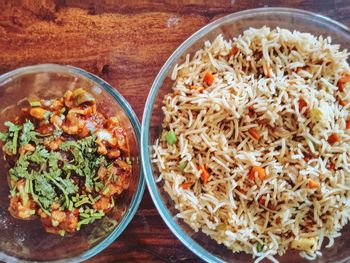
(22, 240)
(229, 26)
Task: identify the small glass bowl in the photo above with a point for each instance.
(26, 240)
(229, 26)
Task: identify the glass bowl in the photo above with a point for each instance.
(26, 240)
(229, 26)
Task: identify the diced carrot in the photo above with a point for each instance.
(313, 184)
(259, 170)
(302, 104)
(251, 107)
(264, 122)
(209, 78)
(204, 174)
(298, 69)
(331, 166)
(307, 157)
(333, 138)
(341, 102)
(251, 110)
(197, 88)
(262, 200)
(268, 72)
(254, 133)
(186, 185)
(76, 211)
(239, 189)
(233, 51)
(342, 81)
(348, 123)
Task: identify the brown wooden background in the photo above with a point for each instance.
(125, 43)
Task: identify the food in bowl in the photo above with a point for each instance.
(254, 148)
(68, 162)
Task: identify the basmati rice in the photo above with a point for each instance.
(262, 85)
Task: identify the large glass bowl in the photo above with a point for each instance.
(26, 240)
(229, 26)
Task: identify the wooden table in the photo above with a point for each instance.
(125, 42)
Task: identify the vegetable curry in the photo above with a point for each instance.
(68, 162)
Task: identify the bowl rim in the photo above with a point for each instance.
(191, 244)
(136, 200)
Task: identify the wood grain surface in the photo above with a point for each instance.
(125, 43)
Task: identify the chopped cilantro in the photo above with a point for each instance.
(3, 136)
(45, 191)
(11, 137)
(47, 116)
(51, 181)
(40, 155)
(67, 184)
(28, 133)
(57, 133)
(21, 169)
(83, 150)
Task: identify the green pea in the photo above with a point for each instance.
(182, 165)
(170, 137)
(35, 103)
(62, 233)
